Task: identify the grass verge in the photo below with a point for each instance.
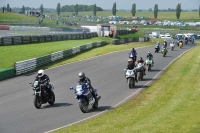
(99, 51)
(14, 53)
(170, 104)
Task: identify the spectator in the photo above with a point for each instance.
(57, 22)
(38, 20)
(10, 10)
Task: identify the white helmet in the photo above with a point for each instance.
(40, 73)
(149, 52)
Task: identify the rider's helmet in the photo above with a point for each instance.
(133, 49)
(141, 58)
(149, 52)
(40, 73)
(172, 41)
(81, 75)
(130, 61)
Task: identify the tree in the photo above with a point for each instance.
(58, 9)
(150, 10)
(114, 9)
(23, 9)
(199, 11)
(133, 11)
(94, 10)
(156, 11)
(76, 9)
(178, 11)
(8, 7)
(41, 9)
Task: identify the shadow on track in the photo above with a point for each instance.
(57, 105)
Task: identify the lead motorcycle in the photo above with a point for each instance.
(85, 98)
(42, 95)
(130, 76)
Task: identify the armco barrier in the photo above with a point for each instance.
(28, 65)
(7, 73)
(25, 66)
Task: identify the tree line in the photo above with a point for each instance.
(79, 8)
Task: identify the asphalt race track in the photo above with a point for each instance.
(18, 114)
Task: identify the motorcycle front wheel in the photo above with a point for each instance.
(37, 102)
(131, 82)
(83, 106)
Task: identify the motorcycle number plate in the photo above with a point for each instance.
(78, 87)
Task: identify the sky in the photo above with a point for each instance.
(105, 4)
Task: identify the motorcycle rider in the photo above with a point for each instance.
(43, 79)
(133, 54)
(143, 62)
(158, 45)
(172, 44)
(186, 38)
(83, 78)
(131, 66)
(150, 56)
(165, 44)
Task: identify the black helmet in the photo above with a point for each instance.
(81, 75)
(141, 58)
(133, 49)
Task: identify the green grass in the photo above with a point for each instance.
(100, 51)
(14, 53)
(169, 105)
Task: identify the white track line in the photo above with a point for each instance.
(138, 91)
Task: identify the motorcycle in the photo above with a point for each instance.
(149, 64)
(130, 76)
(180, 45)
(186, 42)
(164, 52)
(85, 98)
(172, 46)
(134, 58)
(140, 70)
(157, 49)
(42, 95)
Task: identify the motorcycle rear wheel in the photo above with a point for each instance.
(52, 100)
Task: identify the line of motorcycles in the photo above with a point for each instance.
(83, 93)
(130, 74)
(139, 69)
